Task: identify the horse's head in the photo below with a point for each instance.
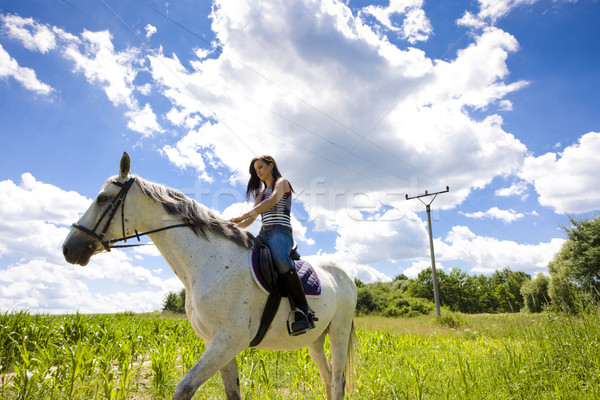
(96, 230)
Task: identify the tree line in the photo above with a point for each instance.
(574, 278)
(459, 292)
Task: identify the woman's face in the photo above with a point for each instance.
(263, 170)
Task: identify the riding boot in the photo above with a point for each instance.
(303, 315)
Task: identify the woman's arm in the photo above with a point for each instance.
(282, 186)
(241, 222)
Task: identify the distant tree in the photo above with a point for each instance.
(171, 302)
(422, 286)
(458, 291)
(507, 289)
(174, 302)
(358, 283)
(486, 296)
(562, 288)
(506, 299)
(535, 293)
(514, 282)
(182, 300)
(575, 269)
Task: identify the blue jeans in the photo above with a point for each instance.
(280, 241)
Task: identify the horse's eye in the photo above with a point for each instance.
(101, 199)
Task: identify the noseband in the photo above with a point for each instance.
(111, 210)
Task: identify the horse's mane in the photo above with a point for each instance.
(198, 217)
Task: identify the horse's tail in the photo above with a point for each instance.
(349, 368)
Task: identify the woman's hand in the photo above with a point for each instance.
(237, 220)
(242, 221)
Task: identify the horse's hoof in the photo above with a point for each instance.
(183, 392)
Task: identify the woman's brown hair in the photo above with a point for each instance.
(255, 184)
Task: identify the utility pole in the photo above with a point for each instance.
(436, 291)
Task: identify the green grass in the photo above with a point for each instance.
(142, 356)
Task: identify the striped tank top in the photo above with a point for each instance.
(279, 214)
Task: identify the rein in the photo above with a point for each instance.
(111, 210)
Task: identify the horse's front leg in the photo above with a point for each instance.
(219, 355)
(231, 380)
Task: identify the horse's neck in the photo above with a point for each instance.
(198, 262)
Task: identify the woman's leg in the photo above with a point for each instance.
(280, 243)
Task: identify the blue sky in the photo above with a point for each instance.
(359, 102)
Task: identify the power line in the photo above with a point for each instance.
(179, 78)
(213, 111)
(251, 100)
(270, 81)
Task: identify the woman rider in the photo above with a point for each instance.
(274, 204)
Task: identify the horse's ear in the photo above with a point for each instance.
(124, 167)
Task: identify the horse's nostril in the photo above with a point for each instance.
(65, 250)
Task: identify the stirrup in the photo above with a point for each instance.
(301, 326)
(312, 316)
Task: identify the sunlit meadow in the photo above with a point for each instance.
(134, 356)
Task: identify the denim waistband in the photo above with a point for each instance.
(276, 227)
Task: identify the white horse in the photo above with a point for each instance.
(223, 303)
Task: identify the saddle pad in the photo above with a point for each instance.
(306, 273)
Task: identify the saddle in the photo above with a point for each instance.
(267, 277)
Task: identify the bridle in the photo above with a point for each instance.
(111, 210)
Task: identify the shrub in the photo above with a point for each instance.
(535, 293)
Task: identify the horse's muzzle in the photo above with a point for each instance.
(77, 249)
(80, 257)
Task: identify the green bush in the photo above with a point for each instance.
(390, 299)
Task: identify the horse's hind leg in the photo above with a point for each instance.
(317, 353)
(231, 380)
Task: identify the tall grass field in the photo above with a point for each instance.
(133, 356)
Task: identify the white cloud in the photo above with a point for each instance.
(415, 27)
(351, 264)
(33, 273)
(31, 216)
(516, 189)
(566, 181)
(471, 20)
(102, 65)
(387, 105)
(48, 287)
(9, 67)
(35, 37)
(145, 89)
(143, 121)
(486, 255)
(491, 11)
(319, 64)
(382, 239)
(494, 212)
(95, 56)
(496, 9)
(150, 30)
